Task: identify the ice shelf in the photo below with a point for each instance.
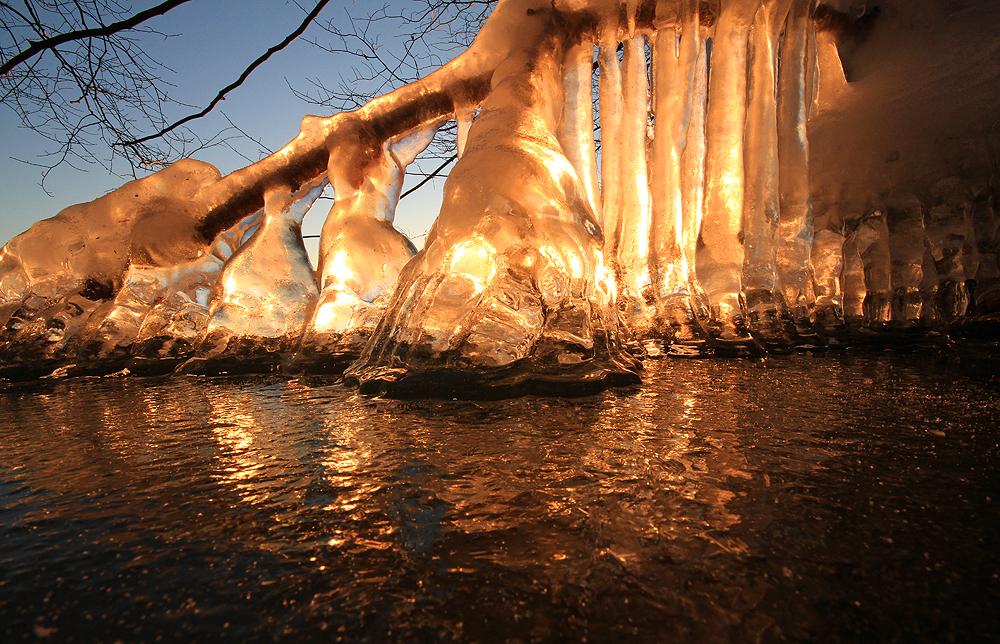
(757, 176)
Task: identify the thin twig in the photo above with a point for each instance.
(38, 46)
(246, 73)
(431, 175)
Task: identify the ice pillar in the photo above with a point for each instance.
(674, 225)
(637, 297)
(760, 204)
(267, 290)
(720, 260)
(511, 286)
(905, 218)
(361, 256)
(795, 218)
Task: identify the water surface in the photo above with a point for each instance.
(831, 498)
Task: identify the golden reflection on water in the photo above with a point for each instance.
(689, 497)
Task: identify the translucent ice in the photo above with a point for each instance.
(760, 204)
(361, 255)
(720, 259)
(511, 285)
(796, 170)
(267, 289)
(160, 312)
(680, 70)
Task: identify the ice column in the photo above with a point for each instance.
(795, 218)
(905, 218)
(760, 204)
(636, 298)
(160, 312)
(986, 229)
(872, 241)
(949, 233)
(720, 260)
(693, 181)
(852, 282)
(360, 258)
(610, 102)
(267, 289)
(511, 286)
(676, 81)
(577, 132)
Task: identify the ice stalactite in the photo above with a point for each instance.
(360, 258)
(636, 297)
(576, 134)
(905, 218)
(761, 192)
(678, 74)
(720, 259)
(161, 312)
(872, 242)
(949, 230)
(609, 89)
(795, 217)
(511, 286)
(59, 277)
(463, 123)
(266, 291)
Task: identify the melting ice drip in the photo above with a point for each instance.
(692, 231)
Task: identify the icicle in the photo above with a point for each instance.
(948, 228)
(720, 260)
(760, 205)
(872, 240)
(693, 178)
(633, 245)
(576, 134)
(795, 232)
(361, 256)
(610, 98)
(463, 123)
(267, 289)
(905, 218)
(675, 66)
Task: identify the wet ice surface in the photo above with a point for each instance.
(831, 498)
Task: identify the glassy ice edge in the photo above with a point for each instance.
(761, 186)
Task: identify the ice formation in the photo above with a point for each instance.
(771, 174)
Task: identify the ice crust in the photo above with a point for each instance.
(771, 174)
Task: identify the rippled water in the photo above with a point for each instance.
(830, 498)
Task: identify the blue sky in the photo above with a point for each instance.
(216, 40)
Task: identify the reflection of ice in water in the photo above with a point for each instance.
(754, 197)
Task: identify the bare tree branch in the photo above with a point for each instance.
(246, 74)
(431, 175)
(39, 46)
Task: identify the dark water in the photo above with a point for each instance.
(837, 498)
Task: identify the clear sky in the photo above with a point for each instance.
(215, 41)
